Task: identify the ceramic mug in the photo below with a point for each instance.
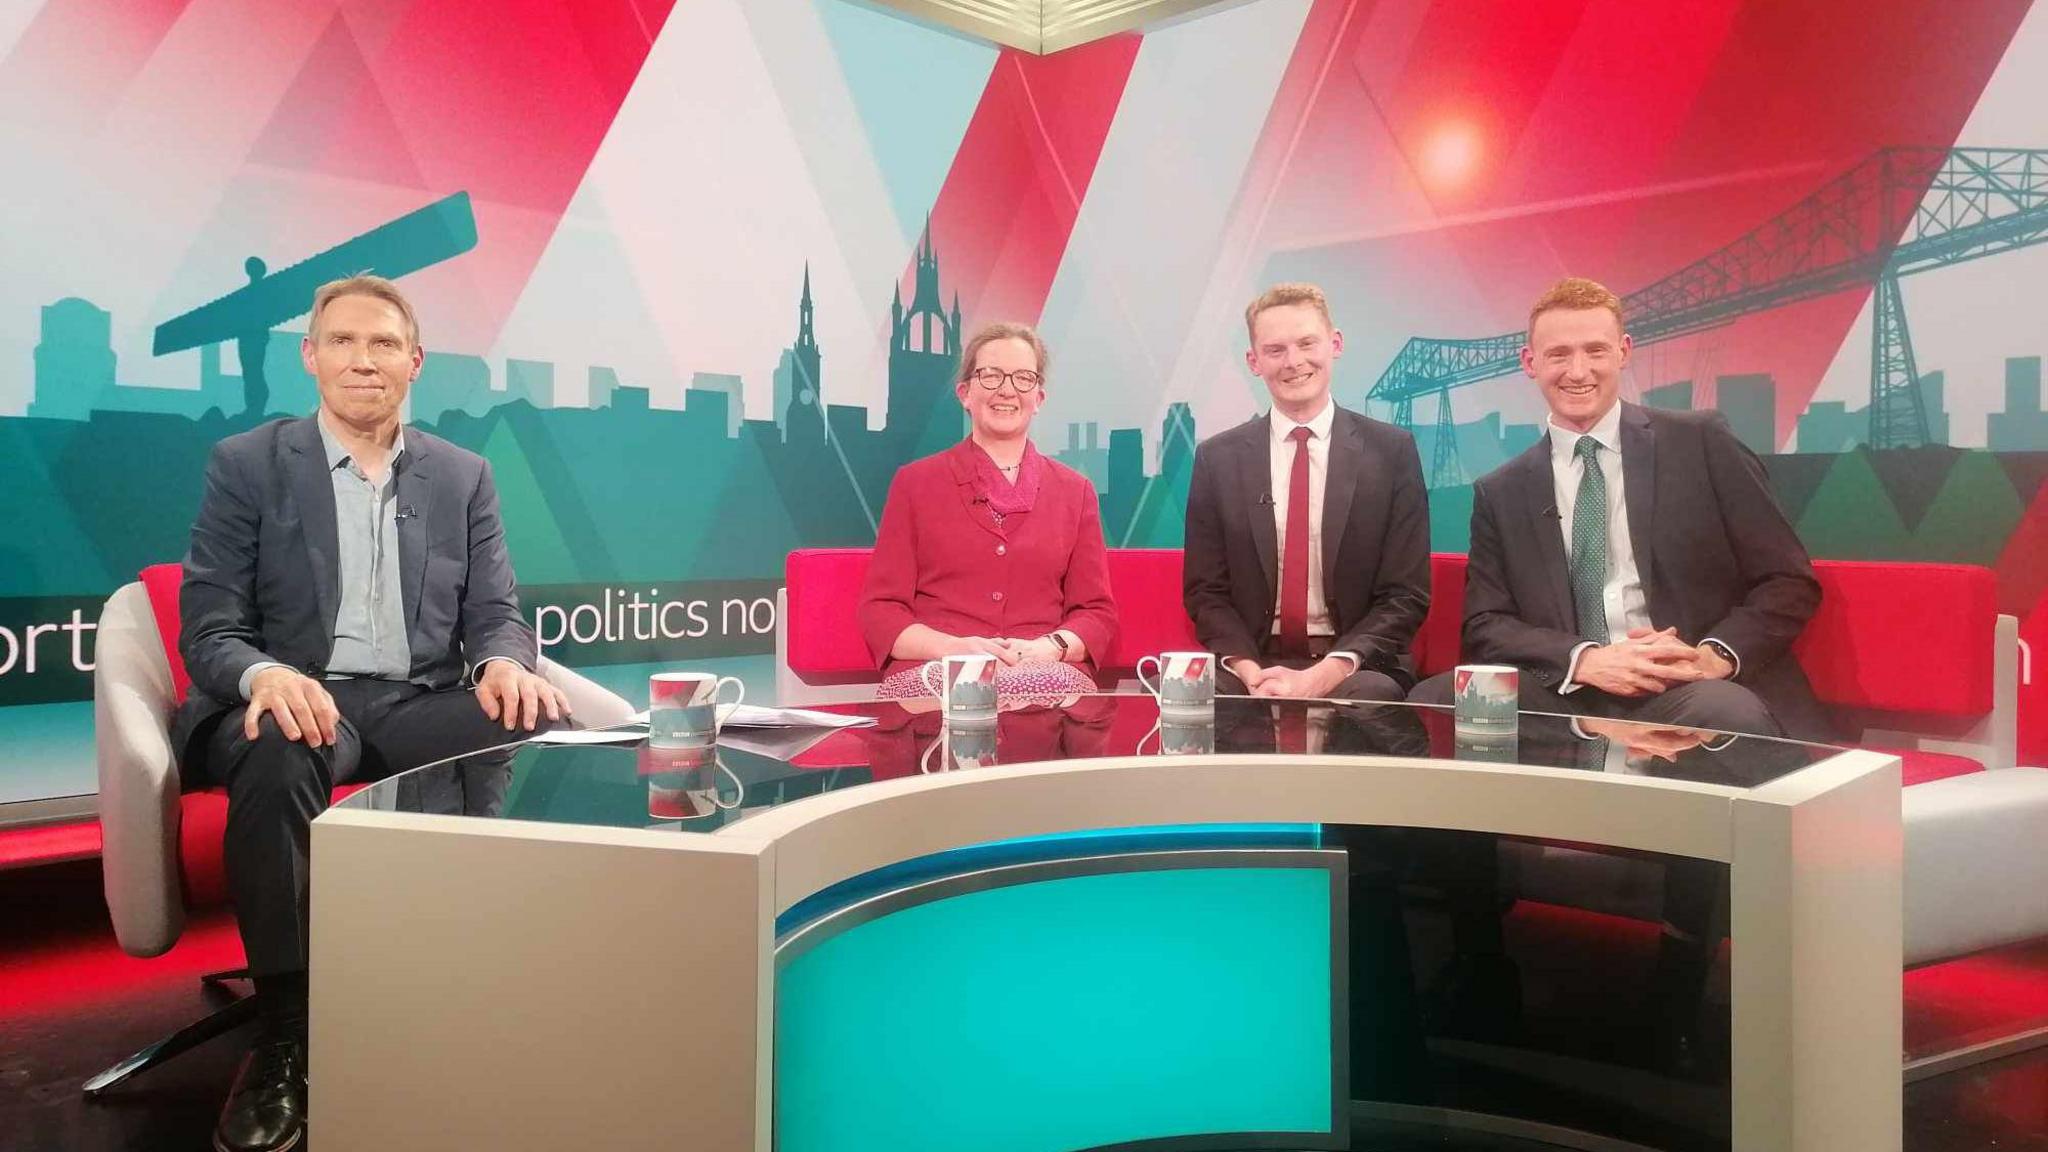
(1485, 697)
(966, 685)
(1184, 684)
(682, 707)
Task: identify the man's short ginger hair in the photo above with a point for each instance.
(1575, 293)
(1283, 296)
(365, 284)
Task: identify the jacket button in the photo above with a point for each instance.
(996, 596)
(1002, 549)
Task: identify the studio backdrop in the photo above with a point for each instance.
(694, 276)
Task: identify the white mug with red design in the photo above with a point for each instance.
(1485, 697)
(966, 685)
(682, 707)
(1185, 683)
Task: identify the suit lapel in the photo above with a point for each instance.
(1256, 469)
(415, 493)
(1544, 518)
(1639, 488)
(1340, 481)
(313, 489)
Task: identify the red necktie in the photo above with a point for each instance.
(1294, 564)
(1290, 736)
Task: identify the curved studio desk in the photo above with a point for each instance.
(901, 937)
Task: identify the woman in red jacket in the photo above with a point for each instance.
(990, 546)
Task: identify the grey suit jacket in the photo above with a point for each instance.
(261, 573)
(1716, 555)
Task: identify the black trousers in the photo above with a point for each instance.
(276, 787)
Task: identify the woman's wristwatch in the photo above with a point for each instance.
(1060, 642)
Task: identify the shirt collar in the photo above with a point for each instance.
(1606, 432)
(337, 454)
(1282, 424)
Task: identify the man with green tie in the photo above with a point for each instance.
(1632, 563)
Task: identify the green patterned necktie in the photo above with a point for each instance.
(1589, 545)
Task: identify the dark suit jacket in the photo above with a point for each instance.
(941, 561)
(1716, 555)
(1375, 542)
(261, 575)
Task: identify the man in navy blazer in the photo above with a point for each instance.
(1307, 541)
(1633, 563)
(346, 578)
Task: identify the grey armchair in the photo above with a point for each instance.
(141, 803)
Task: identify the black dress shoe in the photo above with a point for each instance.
(266, 1110)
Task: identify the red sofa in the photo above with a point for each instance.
(1911, 656)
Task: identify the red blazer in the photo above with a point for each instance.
(941, 561)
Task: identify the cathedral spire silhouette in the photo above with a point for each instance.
(924, 350)
(806, 337)
(805, 417)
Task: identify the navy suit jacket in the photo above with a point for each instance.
(262, 572)
(1375, 542)
(1716, 555)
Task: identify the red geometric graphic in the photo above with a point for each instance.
(333, 120)
(77, 56)
(1010, 200)
(1603, 138)
(507, 100)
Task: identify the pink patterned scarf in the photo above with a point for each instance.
(1002, 497)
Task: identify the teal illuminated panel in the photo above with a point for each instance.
(1066, 1013)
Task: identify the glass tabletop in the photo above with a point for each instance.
(633, 785)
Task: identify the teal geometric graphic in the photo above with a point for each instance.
(1971, 517)
(1851, 517)
(1795, 478)
(1159, 518)
(1450, 519)
(46, 552)
(1912, 478)
(536, 540)
(914, 118)
(49, 751)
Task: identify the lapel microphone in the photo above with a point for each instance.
(405, 512)
(1265, 500)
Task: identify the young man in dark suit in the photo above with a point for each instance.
(1632, 563)
(1307, 549)
(343, 571)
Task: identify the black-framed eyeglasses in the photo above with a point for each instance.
(1022, 379)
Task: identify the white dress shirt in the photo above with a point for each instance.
(1623, 596)
(1282, 459)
